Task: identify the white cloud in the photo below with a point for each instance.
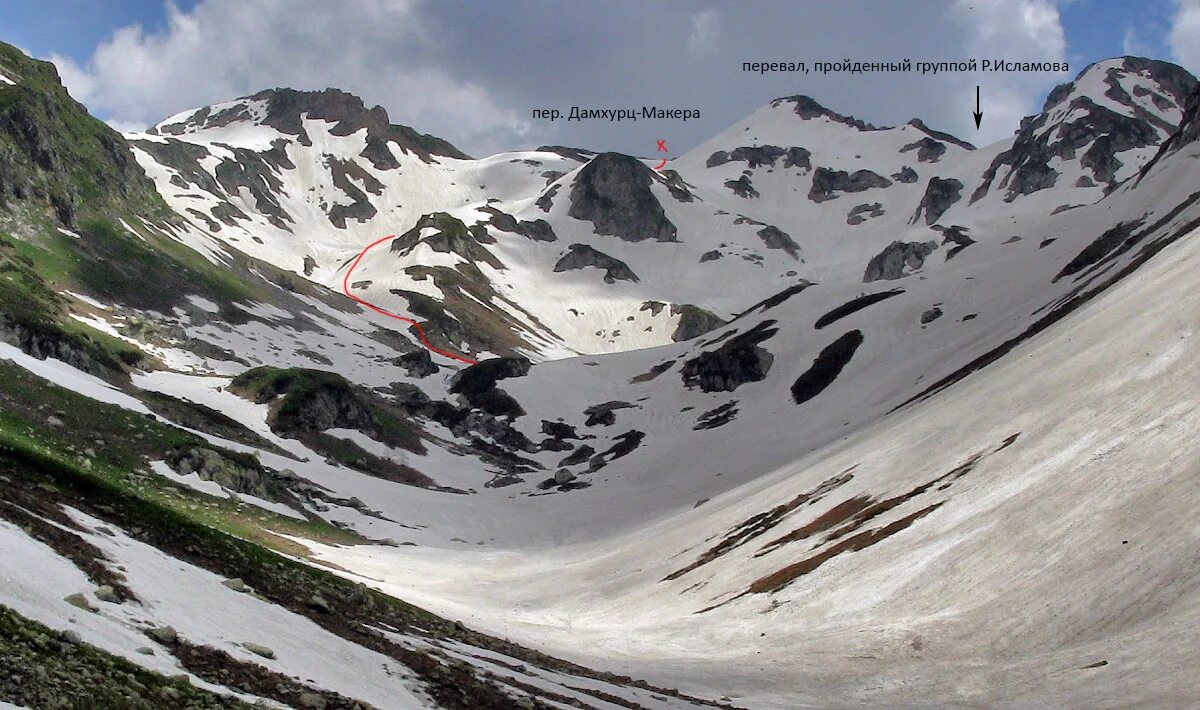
(706, 31)
(222, 49)
(1184, 39)
(1014, 30)
(1133, 45)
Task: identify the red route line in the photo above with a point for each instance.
(420, 331)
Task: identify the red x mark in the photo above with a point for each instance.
(662, 146)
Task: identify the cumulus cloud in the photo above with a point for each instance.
(706, 31)
(1015, 30)
(1184, 39)
(472, 72)
(222, 49)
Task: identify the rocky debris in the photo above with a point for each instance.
(144, 650)
(827, 181)
(737, 361)
(775, 238)
(939, 135)
(538, 230)
(613, 193)
(940, 194)
(477, 384)
(1068, 125)
(604, 414)
(931, 315)
(244, 476)
(855, 216)
(236, 584)
(655, 307)
(418, 363)
(259, 649)
(828, 364)
(892, 262)
(581, 155)
(546, 201)
(625, 444)
(106, 593)
(742, 187)
(807, 108)
(581, 255)
(452, 236)
(166, 635)
(1188, 131)
(1104, 245)
(855, 306)
(673, 181)
(720, 416)
(316, 601)
(757, 156)
(773, 301)
(906, 175)
(79, 601)
(563, 476)
(928, 150)
(583, 453)
(344, 174)
(710, 256)
(693, 322)
(956, 235)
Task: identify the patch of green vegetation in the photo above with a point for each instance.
(47, 668)
(306, 403)
(35, 316)
(111, 444)
(62, 156)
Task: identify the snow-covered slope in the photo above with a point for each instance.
(528, 251)
(823, 363)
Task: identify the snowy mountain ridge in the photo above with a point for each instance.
(822, 413)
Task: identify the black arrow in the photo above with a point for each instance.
(978, 113)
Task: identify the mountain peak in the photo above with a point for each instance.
(285, 109)
(809, 108)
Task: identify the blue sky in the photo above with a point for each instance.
(472, 71)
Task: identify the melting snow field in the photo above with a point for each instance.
(1044, 562)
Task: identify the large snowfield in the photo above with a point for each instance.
(821, 415)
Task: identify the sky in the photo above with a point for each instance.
(472, 72)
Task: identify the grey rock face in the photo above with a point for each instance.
(214, 466)
(827, 366)
(931, 315)
(737, 361)
(742, 187)
(562, 477)
(546, 201)
(807, 108)
(776, 238)
(613, 193)
(757, 156)
(1100, 130)
(928, 150)
(827, 182)
(582, 255)
(418, 363)
(892, 262)
(906, 175)
(855, 215)
(940, 194)
(693, 322)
